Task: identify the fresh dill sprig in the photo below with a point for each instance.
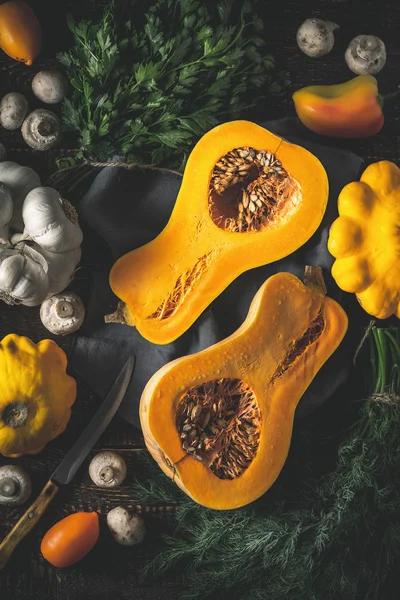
(146, 89)
(331, 534)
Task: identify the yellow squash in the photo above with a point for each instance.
(219, 422)
(365, 240)
(36, 394)
(247, 198)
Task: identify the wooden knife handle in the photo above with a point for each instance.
(27, 522)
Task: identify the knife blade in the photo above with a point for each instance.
(70, 463)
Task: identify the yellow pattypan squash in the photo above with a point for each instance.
(365, 240)
(36, 394)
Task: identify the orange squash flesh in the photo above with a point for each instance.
(193, 259)
(280, 314)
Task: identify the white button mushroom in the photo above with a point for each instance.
(107, 469)
(315, 37)
(50, 86)
(63, 313)
(126, 529)
(41, 129)
(15, 485)
(365, 55)
(13, 110)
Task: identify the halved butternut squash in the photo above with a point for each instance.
(247, 198)
(219, 422)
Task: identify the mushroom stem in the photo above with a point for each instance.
(9, 487)
(63, 313)
(365, 55)
(64, 309)
(15, 485)
(106, 474)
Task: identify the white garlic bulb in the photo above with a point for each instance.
(23, 276)
(20, 181)
(40, 259)
(46, 222)
(6, 212)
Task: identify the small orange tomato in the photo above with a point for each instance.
(70, 539)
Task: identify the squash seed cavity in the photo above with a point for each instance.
(299, 346)
(219, 425)
(250, 190)
(182, 287)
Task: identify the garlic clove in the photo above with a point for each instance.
(61, 268)
(22, 277)
(315, 37)
(366, 55)
(126, 529)
(62, 314)
(6, 212)
(20, 181)
(46, 222)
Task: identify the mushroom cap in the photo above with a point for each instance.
(107, 469)
(50, 86)
(13, 110)
(127, 529)
(63, 313)
(41, 129)
(315, 37)
(15, 485)
(365, 55)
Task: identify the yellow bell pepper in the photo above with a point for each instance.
(347, 110)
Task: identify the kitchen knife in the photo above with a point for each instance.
(70, 463)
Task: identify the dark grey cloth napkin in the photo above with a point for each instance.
(124, 209)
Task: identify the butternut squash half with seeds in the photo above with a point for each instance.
(219, 422)
(247, 198)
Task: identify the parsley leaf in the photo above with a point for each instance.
(147, 88)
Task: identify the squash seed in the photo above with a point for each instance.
(206, 419)
(196, 412)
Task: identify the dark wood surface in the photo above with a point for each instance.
(111, 571)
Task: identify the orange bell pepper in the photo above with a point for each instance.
(348, 110)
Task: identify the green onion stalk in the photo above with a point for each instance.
(330, 533)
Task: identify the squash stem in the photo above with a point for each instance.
(314, 279)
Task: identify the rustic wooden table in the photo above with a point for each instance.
(111, 571)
